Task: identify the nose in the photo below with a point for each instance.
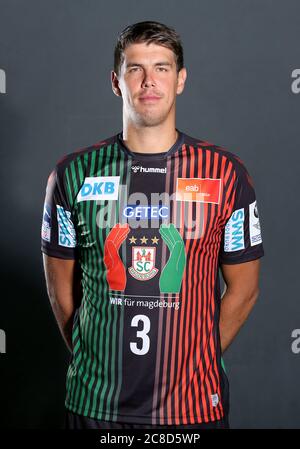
(148, 79)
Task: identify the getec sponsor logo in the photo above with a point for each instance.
(99, 188)
(254, 225)
(141, 169)
(46, 225)
(203, 190)
(135, 211)
(2, 342)
(234, 232)
(66, 230)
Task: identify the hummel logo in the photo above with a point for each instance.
(140, 169)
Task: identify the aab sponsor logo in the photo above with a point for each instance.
(2, 342)
(295, 346)
(99, 188)
(295, 86)
(202, 190)
(2, 82)
(141, 169)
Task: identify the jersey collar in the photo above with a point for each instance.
(147, 156)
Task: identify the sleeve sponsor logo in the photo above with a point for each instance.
(214, 399)
(99, 188)
(66, 230)
(203, 190)
(254, 225)
(46, 225)
(234, 232)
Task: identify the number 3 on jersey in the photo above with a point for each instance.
(141, 334)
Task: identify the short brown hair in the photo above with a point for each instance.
(148, 32)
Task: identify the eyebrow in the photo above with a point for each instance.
(133, 64)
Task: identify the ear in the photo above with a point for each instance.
(182, 76)
(115, 84)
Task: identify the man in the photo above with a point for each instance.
(135, 230)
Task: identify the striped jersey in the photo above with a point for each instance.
(149, 232)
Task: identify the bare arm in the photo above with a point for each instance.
(238, 299)
(63, 287)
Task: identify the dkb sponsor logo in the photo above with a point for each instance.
(99, 188)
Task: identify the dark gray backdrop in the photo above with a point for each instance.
(56, 57)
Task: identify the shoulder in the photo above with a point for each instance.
(238, 164)
(80, 155)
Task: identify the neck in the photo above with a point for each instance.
(156, 139)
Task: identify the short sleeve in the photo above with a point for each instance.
(58, 234)
(242, 237)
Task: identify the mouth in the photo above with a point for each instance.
(147, 98)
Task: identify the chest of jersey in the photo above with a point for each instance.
(144, 219)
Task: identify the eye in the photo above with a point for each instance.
(162, 68)
(133, 69)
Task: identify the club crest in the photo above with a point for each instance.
(143, 263)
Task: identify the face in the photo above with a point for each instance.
(148, 84)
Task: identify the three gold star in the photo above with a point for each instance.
(144, 239)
